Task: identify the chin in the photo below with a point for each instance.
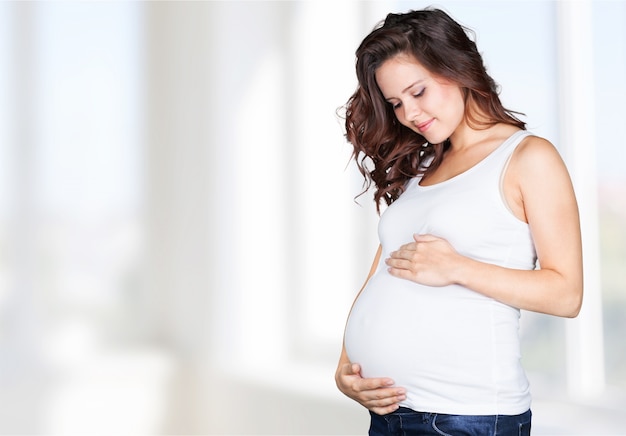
(434, 139)
(431, 137)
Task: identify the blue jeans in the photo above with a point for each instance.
(407, 422)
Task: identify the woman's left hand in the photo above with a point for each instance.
(427, 260)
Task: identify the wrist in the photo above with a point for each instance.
(461, 270)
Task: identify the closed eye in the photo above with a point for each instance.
(396, 106)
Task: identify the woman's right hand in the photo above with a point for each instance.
(376, 394)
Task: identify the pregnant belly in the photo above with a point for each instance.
(447, 346)
(409, 332)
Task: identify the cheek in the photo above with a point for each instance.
(460, 111)
(454, 105)
(457, 97)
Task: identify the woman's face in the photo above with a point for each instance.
(432, 107)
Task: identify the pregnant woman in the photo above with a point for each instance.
(480, 222)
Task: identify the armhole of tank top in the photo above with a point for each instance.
(505, 167)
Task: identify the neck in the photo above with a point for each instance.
(465, 136)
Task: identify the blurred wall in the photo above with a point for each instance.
(179, 240)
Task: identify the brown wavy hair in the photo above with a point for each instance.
(387, 153)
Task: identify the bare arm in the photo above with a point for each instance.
(538, 186)
(376, 394)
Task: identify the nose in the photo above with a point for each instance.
(412, 110)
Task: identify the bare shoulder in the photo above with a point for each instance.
(535, 147)
(535, 179)
(536, 169)
(536, 156)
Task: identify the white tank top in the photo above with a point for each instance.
(454, 350)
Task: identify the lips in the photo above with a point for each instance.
(425, 125)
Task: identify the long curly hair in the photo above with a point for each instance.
(387, 153)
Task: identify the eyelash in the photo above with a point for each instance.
(419, 94)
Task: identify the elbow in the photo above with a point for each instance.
(573, 304)
(576, 309)
(573, 312)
